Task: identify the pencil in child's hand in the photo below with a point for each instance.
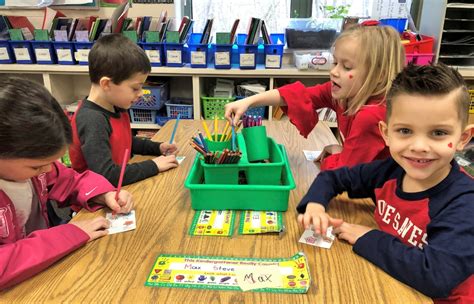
(175, 128)
(122, 172)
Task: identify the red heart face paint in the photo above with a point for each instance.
(450, 145)
(350, 76)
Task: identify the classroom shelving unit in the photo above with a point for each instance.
(452, 25)
(71, 83)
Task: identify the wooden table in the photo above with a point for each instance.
(114, 268)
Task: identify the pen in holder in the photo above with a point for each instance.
(255, 136)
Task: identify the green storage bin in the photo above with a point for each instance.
(239, 197)
(214, 106)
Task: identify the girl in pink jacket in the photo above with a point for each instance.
(34, 133)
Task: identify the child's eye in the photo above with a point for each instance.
(347, 68)
(404, 131)
(439, 133)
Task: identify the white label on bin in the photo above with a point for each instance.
(272, 61)
(82, 55)
(153, 55)
(222, 58)
(21, 54)
(64, 54)
(4, 53)
(42, 55)
(174, 57)
(198, 57)
(247, 60)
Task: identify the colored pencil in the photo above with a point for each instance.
(175, 128)
(122, 172)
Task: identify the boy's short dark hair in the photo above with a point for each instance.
(431, 80)
(117, 57)
(32, 123)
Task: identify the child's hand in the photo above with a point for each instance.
(237, 109)
(328, 150)
(168, 149)
(350, 232)
(165, 163)
(95, 227)
(123, 205)
(316, 215)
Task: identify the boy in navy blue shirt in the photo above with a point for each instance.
(424, 201)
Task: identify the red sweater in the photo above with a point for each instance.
(362, 141)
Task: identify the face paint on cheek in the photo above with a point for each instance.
(450, 145)
(350, 76)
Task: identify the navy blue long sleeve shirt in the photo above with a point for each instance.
(426, 239)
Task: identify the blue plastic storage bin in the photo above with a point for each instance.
(222, 56)
(81, 53)
(23, 51)
(6, 52)
(198, 52)
(155, 52)
(398, 24)
(274, 51)
(174, 54)
(154, 97)
(247, 53)
(44, 52)
(65, 52)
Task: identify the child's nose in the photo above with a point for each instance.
(419, 144)
(334, 72)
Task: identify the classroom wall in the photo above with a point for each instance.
(36, 15)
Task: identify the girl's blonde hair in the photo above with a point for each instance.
(383, 56)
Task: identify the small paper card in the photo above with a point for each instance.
(311, 155)
(180, 159)
(213, 222)
(310, 238)
(254, 222)
(261, 276)
(121, 222)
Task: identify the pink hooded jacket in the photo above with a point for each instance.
(23, 256)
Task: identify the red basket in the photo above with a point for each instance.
(424, 46)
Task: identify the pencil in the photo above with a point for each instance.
(215, 128)
(225, 130)
(122, 172)
(208, 134)
(175, 128)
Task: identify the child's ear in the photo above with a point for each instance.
(105, 83)
(383, 128)
(466, 136)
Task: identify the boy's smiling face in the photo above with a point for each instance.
(423, 133)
